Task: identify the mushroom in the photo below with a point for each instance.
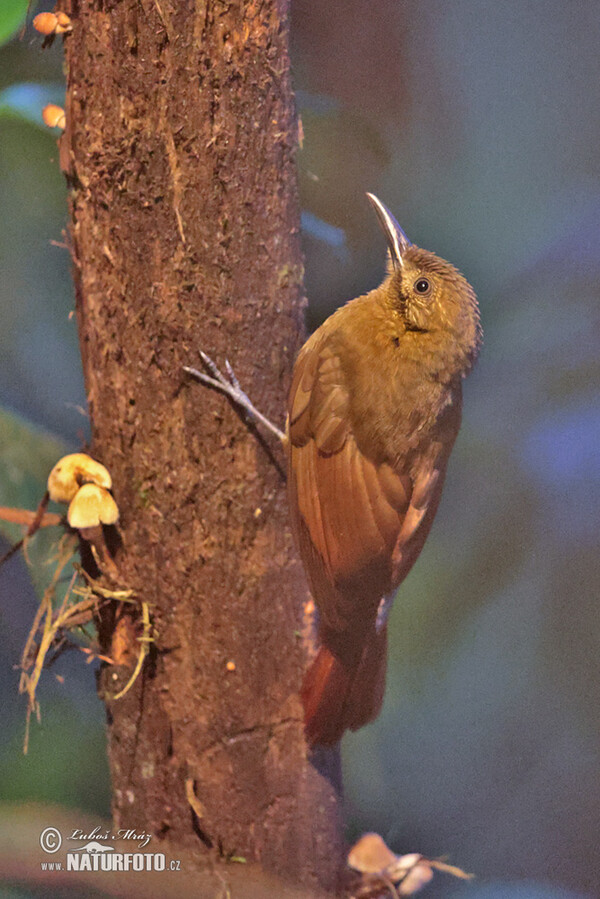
(49, 23)
(73, 471)
(414, 872)
(54, 116)
(371, 855)
(373, 859)
(91, 507)
(404, 875)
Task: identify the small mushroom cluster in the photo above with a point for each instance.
(85, 485)
(50, 24)
(402, 875)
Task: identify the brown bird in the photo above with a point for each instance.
(373, 413)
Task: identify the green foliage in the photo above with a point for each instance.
(63, 750)
(27, 454)
(12, 16)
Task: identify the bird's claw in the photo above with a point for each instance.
(214, 370)
(232, 376)
(230, 386)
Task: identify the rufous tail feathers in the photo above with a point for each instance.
(338, 696)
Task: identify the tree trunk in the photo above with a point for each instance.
(179, 152)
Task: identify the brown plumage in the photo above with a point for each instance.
(374, 410)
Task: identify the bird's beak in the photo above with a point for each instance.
(397, 240)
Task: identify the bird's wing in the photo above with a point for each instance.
(356, 522)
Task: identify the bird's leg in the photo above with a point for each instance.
(230, 386)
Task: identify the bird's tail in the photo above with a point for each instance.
(338, 696)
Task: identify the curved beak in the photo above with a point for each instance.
(398, 242)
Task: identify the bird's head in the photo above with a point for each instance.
(435, 302)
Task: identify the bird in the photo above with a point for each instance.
(373, 413)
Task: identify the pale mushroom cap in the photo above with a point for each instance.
(71, 472)
(45, 22)
(63, 22)
(415, 880)
(370, 855)
(92, 506)
(54, 116)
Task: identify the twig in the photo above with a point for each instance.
(33, 520)
(144, 641)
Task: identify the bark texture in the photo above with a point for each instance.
(179, 152)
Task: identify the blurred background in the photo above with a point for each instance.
(478, 124)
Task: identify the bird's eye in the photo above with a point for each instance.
(422, 286)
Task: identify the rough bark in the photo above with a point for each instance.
(179, 151)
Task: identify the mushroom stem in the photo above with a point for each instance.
(95, 537)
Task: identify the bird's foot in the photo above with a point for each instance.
(230, 386)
